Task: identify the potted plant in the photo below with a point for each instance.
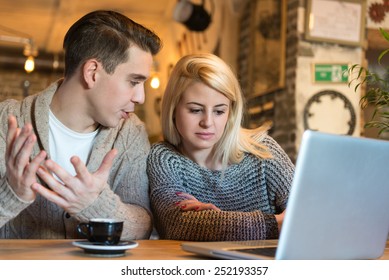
(377, 91)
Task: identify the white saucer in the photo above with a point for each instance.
(105, 250)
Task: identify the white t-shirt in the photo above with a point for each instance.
(65, 143)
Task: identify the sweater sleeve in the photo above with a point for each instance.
(279, 172)
(166, 178)
(126, 195)
(10, 204)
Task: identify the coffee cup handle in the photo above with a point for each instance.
(82, 228)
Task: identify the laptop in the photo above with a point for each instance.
(338, 207)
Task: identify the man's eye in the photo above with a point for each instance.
(134, 83)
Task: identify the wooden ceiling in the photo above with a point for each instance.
(46, 21)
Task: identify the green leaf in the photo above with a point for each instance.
(377, 91)
(384, 34)
(382, 55)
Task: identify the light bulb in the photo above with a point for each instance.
(154, 82)
(29, 65)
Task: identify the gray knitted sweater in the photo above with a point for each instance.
(248, 193)
(125, 196)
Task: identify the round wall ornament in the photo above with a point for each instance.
(330, 111)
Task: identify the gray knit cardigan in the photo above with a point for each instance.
(248, 193)
(125, 196)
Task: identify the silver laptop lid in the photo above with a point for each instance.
(339, 203)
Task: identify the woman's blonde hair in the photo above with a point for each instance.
(216, 74)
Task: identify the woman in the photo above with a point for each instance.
(210, 179)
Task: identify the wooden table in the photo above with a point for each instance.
(30, 249)
(62, 249)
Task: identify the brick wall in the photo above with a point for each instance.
(276, 106)
(285, 110)
(17, 84)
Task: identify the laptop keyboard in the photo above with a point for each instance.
(266, 251)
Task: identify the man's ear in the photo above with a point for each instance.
(90, 72)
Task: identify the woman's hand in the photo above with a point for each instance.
(190, 203)
(280, 220)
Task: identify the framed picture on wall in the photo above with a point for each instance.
(340, 22)
(268, 55)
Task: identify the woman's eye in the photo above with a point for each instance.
(219, 112)
(195, 111)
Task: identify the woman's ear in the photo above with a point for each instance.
(89, 72)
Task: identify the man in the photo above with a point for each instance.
(75, 151)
